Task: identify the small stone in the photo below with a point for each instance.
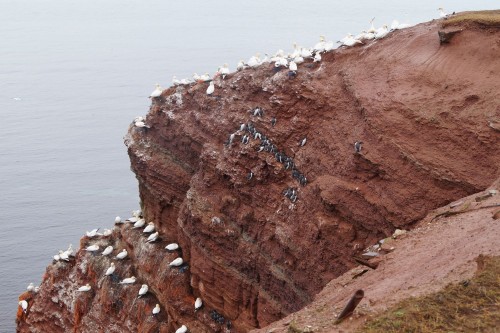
(398, 232)
(370, 254)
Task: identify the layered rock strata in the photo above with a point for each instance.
(264, 221)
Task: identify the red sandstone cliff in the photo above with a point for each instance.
(425, 113)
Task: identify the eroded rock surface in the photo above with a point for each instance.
(252, 254)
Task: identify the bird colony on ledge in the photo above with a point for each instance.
(120, 254)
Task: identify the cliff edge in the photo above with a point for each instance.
(264, 219)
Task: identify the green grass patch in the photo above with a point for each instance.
(484, 17)
(470, 306)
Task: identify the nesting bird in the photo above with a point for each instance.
(92, 248)
(442, 13)
(92, 233)
(211, 88)
(156, 309)
(157, 92)
(110, 270)
(198, 304)
(176, 262)
(303, 142)
(153, 237)
(107, 250)
(224, 71)
(85, 288)
(143, 291)
(24, 305)
(182, 329)
(122, 255)
(139, 224)
(149, 228)
(172, 246)
(130, 280)
(132, 219)
(30, 287)
(240, 66)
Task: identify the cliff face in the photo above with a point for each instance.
(425, 113)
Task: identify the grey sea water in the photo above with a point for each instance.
(73, 75)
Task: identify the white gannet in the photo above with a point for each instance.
(107, 250)
(441, 12)
(157, 92)
(139, 224)
(240, 65)
(172, 246)
(205, 77)
(196, 77)
(149, 228)
(254, 61)
(156, 309)
(144, 289)
(372, 28)
(224, 71)
(298, 60)
(137, 213)
(129, 280)
(320, 46)
(330, 45)
(37, 289)
(303, 142)
(110, 270)
(122, 255)
(280, 61)
(56, 257)
(92, 248)
(118, 219)
(292, 66)
(296, 51)
(24, 305)
(107, 232)
(153, 237)
(132, 219)
(86, 287)
(382, 32)
(305, 53)
(140, 124)
(185, 81)
(30, 287)
(395, 25)
(139, 118)
(175, 81)
(182, 329)
(176, 262)
(362, 36)
(211, 88)
(92, 233)
(317, 57)
(63, 255)
(70, 251)
(198, 304)
(351, 41)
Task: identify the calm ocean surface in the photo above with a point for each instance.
(73, 75)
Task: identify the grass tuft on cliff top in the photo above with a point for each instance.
(470, 306)
(484, 17)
